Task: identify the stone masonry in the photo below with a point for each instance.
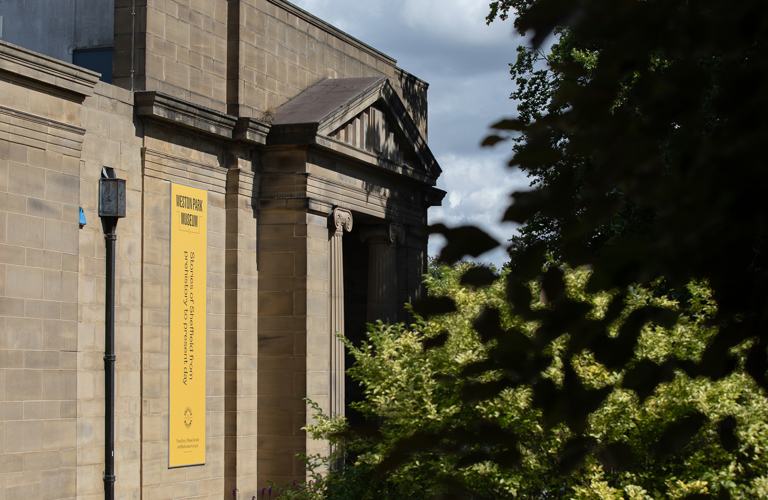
(312, 148)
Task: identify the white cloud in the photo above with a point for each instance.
(453, 21)
(478, 189)
(352, 16)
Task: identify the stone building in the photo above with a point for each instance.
(309, 148)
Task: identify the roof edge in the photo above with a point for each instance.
(329, 28)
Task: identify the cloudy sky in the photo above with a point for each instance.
(446, 43)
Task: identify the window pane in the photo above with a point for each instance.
(96, 60)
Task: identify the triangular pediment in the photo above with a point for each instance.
(366, 114)
(374, 131)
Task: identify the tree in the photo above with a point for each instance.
(537, 80)
(416, 391)
(657, 107)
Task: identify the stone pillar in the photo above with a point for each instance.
(241, 330)
(382, 270)
(340, 221)
(293, 325)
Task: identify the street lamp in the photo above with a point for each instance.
(111, 208)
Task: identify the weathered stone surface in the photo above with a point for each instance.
(209, 77)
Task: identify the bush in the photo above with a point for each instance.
(686, 437)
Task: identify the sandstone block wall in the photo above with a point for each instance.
(241, 338)
(277, 50)
(268, 298)
(110, 140)
(41, 138)
(244, 57)
(184, 160)
(282, 50)
(294, 341)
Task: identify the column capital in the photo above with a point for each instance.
(340, 221)
(383, 233)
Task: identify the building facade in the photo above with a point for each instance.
(309, 149)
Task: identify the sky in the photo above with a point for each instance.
(466, 63)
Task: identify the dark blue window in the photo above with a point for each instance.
(96, 60)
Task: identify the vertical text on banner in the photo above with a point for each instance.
(189, 215)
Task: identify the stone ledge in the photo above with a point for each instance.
(433, 197)
(44, 71)
(251, 130)
(373, 159)
(113, 92)
(292, 204)
(167, 108)
(41, 121)
(303, 133)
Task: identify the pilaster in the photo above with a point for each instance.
(294, 351)
(241, 349)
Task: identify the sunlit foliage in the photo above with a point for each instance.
(434, 437)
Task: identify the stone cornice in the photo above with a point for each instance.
(349, 151)
(45, 72)
(433, 197)
(312, 205)
(251, 130)
(45, 122)
(328, 28)
(171, 109)
(167, 108)
(404, 74)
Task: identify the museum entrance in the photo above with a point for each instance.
(355, 310)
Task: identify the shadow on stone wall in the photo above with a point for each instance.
(415, 97)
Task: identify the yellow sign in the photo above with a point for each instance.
(189, 216)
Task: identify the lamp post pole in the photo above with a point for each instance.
(110, 224)
(111, 208)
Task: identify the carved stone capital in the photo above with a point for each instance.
(397, 233)
(340, 221)
(383, 234)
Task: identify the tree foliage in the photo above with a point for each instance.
(537, 80)
(442, 434)
(643, 133)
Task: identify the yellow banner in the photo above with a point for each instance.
(189, 215)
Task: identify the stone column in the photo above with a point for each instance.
(382, 270)
(241, 334)
(340, 221)
(293, 325)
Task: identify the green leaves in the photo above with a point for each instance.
(642, 133)
(484, 402)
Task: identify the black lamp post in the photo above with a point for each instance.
(111, 208)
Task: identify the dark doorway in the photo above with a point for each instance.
(355, 309)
